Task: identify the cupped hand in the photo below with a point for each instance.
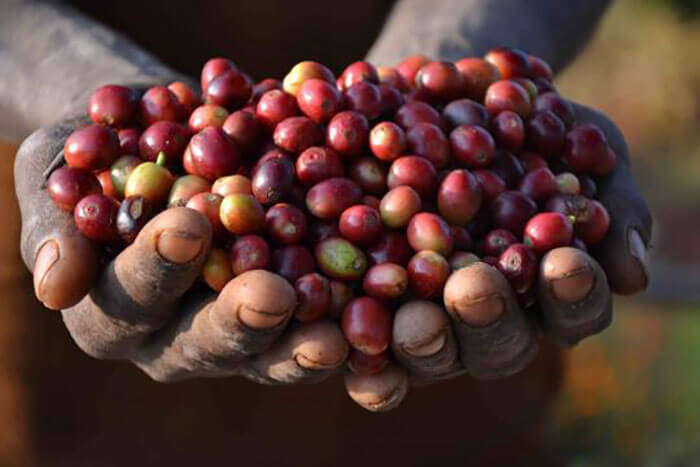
(141, 306)
(481, 330)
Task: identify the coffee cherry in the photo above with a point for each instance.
(129, 141)
(93, 147)
(340, 259)
(365, 98)
(548, 230)
(459, 197)
(230, 90)
(386, 281)
(387, 141)
(519, 264)
(509, 130)
(507, 95)
(360, 224)
(275, 106)
(216, 271)
(511, 63)
(546, 133)
(319, 100)
(207, 115)
(186, 187)
(393, 247)
(303, 71)
(553, 102)
(95, 217)
(292, 262)
(295, 134)
(409, 66)
(167, 137)
(477, 75)
(329, 198)
(185, 95)
(213, 68)
(285, 223)
(134, 212)
(209, 204)
(244, 129)
(273, 180)
(491, 184)
(414, 171)
(417, 112)
(370, 174)
(214, 154)
(496, 241)
(347, 133)
(531, 161)
(313, 297)
(113, 106)
(398, 206)
(427, 274)
(429, 141)
(568, 184)
(356, 73)
(585, 145)
(593, 229)
(539, 184)
(391, 77)
(465, 112)
(367, 324)
(250, 252)
(427, 231)
(508, 167)
(511, 210)
(159, 103)
(67, 185)
(150, 180)
(441, 81)
(472, 146)
(318, 163)
(242, 214)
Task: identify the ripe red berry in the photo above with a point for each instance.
(548, 230)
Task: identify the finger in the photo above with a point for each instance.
(574, 295)
(214, 335)
(306, 353)
(423, 340)
(495, 337)
(623, 253)
(63, 262)
(137, 293)
(378, 392)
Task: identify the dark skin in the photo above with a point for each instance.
(138, 307)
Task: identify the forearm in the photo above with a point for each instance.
(451, 29)
(51, 56)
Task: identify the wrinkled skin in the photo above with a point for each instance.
(140, 306)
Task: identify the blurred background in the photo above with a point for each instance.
(631, 395)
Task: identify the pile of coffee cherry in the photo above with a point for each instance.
(364, 191)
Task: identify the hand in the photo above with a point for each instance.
(139, 306)
(485, 333)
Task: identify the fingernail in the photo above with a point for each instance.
(45, 259)
(638, 250)
(259, 319)
(574, 286)
(316, 362)
(482, 311)
(426, 349)
(178, 247)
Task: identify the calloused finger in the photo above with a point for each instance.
(378, 392)
(214, 335)
(574, 295)
(138, 292)
(496, 339)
